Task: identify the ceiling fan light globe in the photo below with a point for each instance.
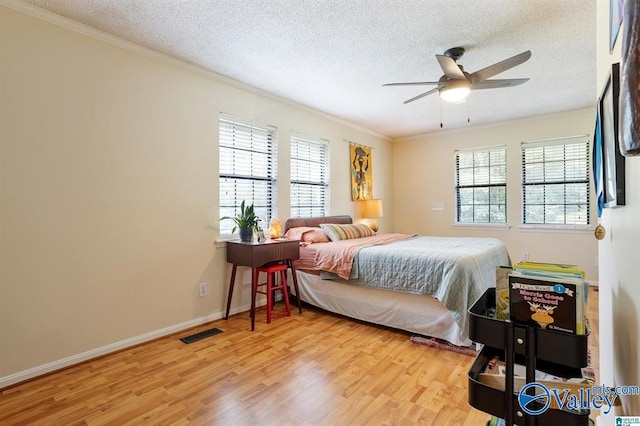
(455, 91)
(454, 95)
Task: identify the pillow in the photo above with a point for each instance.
(296, 233)
(337, 232)
(307, 234)
(316, 235)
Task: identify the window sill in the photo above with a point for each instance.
(492, 226)
(222, 241)
(557, 228)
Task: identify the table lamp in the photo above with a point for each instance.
(373, 210)
(275, 228)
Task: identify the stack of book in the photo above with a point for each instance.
(551, 296)
(494, 376)
(549, 270)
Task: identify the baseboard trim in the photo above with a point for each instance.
(69, 361)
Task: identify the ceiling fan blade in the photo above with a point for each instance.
(499, 67)
(450, 68)
(416, 83)
(422, 95)
(495, 84)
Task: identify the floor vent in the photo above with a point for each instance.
(201, 335)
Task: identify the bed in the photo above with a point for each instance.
(423, 285)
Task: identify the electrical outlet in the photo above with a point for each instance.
(203, 289)
(525, 256)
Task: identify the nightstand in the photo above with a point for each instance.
(258, 254)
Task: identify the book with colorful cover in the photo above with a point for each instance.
(502, 292)
(549, 303)
(558, 270)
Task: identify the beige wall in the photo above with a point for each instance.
(424, 173)
(109, 190)
(619, 282)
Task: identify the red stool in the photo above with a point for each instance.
(270, 288)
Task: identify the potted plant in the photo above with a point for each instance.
(246, 222)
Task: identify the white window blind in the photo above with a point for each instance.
(309, 176)
(481, 185)
(555, 182)
(247, 169)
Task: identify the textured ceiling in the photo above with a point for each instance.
(334, 55)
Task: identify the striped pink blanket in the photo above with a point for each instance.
(337, 257)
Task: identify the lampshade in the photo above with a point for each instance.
(275, 228)
(372, 208)
(455, 90)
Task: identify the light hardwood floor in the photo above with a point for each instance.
(309, 369)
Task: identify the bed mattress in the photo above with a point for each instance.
(418, 314)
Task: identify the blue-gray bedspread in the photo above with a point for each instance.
(456, 271)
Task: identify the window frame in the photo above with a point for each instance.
(586, 181)
(322, 183)
(256, 143)
(502, 149)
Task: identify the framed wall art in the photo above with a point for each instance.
(615, 21)
(361, 172)
(629, 132)
(612, 160)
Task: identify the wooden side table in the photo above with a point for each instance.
(255, 255)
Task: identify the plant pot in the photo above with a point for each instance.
(246, 235)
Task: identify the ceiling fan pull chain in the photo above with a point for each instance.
(441, 113)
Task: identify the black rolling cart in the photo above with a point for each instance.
(554, 352)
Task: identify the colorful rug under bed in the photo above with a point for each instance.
(441, 344)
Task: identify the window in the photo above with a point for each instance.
(555, 182)
(481, 185)
(247, 169)
(309, 176)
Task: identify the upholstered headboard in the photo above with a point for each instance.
(315, 221)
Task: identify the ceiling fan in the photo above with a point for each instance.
(455, 84)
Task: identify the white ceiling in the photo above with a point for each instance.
(334, 55)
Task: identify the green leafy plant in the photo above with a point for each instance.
(246, 219)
